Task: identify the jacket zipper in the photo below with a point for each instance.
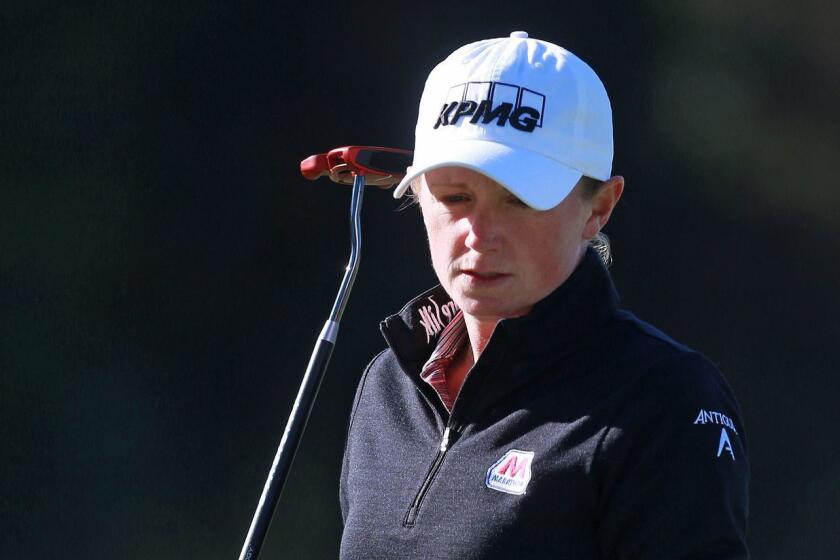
(445, 443)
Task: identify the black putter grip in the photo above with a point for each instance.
(286, 451)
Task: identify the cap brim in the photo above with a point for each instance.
(539, 181)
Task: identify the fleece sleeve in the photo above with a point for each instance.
(673, 468)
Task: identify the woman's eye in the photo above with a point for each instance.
(453, 198)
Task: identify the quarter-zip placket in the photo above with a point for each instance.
(450, 434)
(453, 429)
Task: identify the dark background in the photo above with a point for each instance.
(164, 269)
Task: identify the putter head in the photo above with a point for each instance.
(381, 167)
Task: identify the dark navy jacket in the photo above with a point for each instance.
(581, 433)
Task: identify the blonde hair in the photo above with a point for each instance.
(601, 243)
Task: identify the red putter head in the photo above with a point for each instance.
(381, 167)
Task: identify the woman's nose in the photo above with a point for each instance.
(485, 229)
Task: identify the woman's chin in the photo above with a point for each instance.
(487, 309)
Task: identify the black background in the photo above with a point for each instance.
(164, 269)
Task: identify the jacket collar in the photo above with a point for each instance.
(577, 307)
(413, 332)
(555, 327)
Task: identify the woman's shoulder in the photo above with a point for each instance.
(663, 376)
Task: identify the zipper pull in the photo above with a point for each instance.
(445, 441)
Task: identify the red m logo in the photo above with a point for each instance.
(514, 466)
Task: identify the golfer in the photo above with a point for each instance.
(517, 412)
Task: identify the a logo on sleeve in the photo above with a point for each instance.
(725, 444)
(713, 417)
(512, 473)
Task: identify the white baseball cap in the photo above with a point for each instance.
(526, 113)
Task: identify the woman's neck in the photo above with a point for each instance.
(479, 332)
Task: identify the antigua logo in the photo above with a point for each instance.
(725, 444)
(714, 417)
(486, 102)
(512, 473)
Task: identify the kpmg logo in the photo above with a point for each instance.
(512, 473)
(486, 102)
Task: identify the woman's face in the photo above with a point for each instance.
(495, 256)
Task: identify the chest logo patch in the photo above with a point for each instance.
(512, 473)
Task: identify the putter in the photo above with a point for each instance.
(359, 166)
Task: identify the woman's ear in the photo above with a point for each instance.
(602, 204)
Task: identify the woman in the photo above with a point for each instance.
(517, 412)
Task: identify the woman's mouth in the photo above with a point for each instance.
(477, 278)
